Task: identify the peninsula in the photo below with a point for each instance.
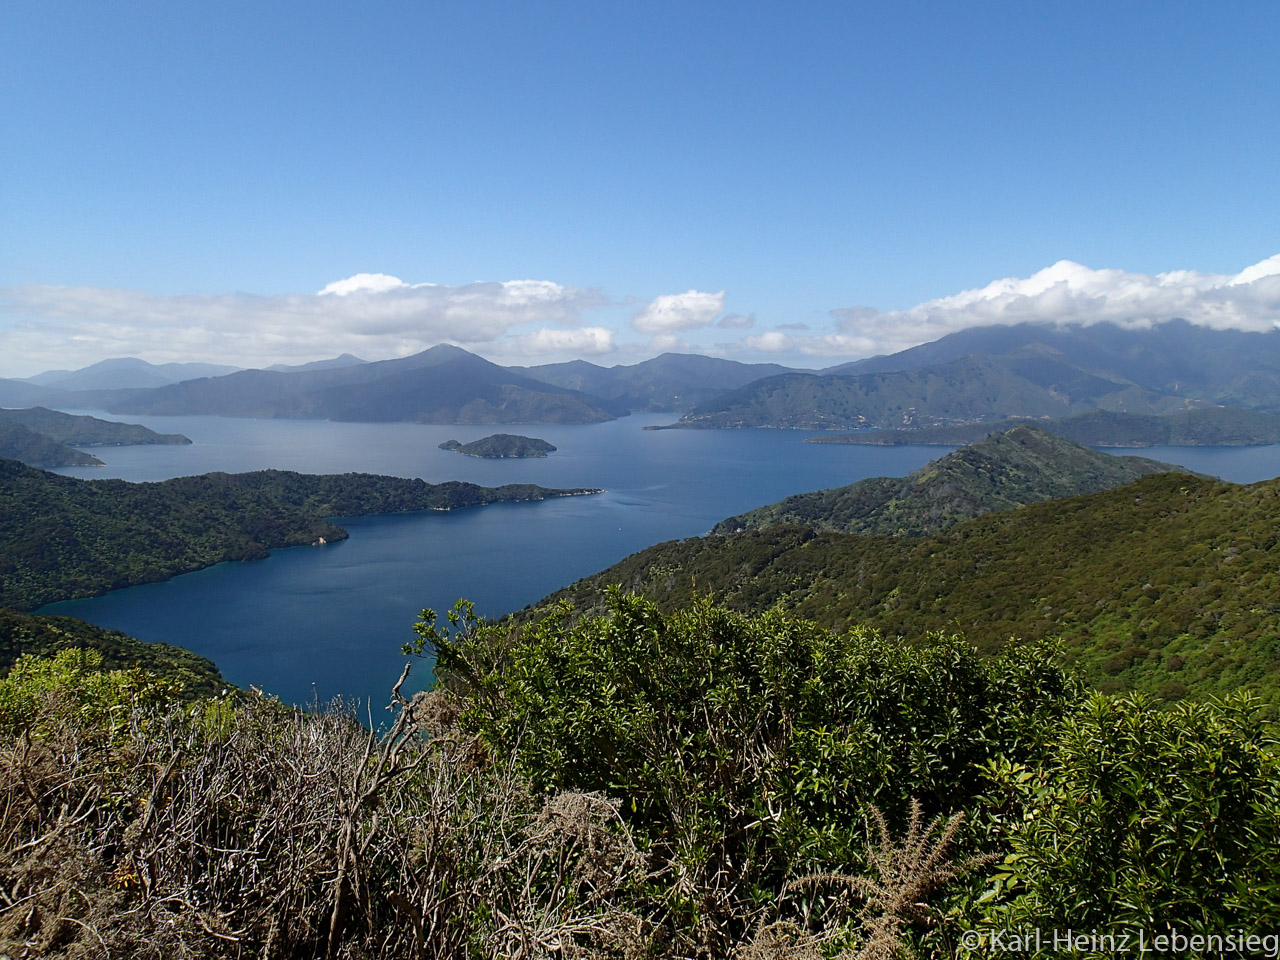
(79, 430)
(63, 538)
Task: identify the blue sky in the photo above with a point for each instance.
(180, 180)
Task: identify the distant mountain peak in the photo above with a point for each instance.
(117, 373)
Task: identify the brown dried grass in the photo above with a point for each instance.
(268, 833)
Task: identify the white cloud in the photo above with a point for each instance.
(837, 345)
(1069, 293)
(669, 343)
(771, 342)
(579, 341)
(679, 311)
(370, 315)
(365, 282)
(376, 315)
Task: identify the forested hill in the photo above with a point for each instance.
(62, 538)
(1211, 426)
(1170, 584)
(1007, 470)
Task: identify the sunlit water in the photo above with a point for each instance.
(323, 621)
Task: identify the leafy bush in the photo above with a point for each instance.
(1147, 819)
(101, 700)
(747, 750)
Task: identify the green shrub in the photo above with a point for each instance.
(747, 751)
(1147, 818)
(91, 696)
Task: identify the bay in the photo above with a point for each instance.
(318, 622)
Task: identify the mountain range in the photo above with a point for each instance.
(442, 385)
(1024, 370)
(976, 375)
(672, 381)
(127, 372)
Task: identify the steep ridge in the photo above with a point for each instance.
(1167, 585)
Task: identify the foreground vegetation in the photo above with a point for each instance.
(62, 538)
(701, 784)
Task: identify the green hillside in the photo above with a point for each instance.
(62, 538)
(1209, 427)
(1168, 585)
(1007, 470)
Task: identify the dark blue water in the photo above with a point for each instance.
(324, 621)
(331, 620)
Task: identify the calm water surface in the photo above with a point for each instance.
(319, 622)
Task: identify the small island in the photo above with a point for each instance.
(501, 446)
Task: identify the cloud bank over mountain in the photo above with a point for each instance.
(377, 315)
(368, 314)
(1069, 293)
